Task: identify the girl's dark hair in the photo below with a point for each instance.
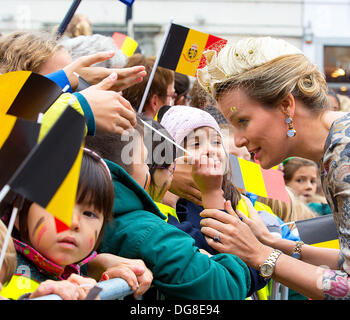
(161, 152)
(95, 188)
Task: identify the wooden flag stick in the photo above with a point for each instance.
(156, 62)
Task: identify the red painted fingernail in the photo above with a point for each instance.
(105, 276)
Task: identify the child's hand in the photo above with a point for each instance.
(66, 289)
(183, 184)
(83, 282)
(133, 271)
(207, 173)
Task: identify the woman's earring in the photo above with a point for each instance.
(291, 131)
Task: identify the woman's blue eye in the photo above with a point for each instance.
(242, 121)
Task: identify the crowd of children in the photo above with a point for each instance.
(139, 198)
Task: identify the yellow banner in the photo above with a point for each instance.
(252, 177)
(129, 46)
(333, 244)
(192, 52)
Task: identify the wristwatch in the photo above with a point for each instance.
(267, 268)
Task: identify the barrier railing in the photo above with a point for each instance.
(279, 291)
(117, 289)
(113, 289)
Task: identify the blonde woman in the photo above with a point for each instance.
(277, 101)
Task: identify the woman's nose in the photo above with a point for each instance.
(240, 141)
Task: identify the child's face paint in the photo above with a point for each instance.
(39, 230)
(69, 246)
(147, 181)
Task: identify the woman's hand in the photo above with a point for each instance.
(235, 236)
(112, 112)
(255, 223)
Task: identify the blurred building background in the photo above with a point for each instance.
(321, 28)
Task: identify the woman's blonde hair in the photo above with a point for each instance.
(10, 260)
(22, 50)
(271, 82)
(294, 211)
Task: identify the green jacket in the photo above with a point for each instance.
(139, 231)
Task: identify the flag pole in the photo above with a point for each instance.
(155, 67)
(18, 203)
(68, 17)
(165, 137)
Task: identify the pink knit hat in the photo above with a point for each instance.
(180, 121)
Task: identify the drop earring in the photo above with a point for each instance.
(291, 131)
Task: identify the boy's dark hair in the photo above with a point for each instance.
(161, 152)
(95, 188)
(110, 146)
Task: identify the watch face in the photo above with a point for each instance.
(266, 270)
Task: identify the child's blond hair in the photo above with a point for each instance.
(10, 261)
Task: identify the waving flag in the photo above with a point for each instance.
(25, 94)
(45, 170)
(17, 138)
(124, 43)
(184, 48)
(249, 176)
(319, 232)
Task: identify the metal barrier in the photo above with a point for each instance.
(113, 289)
(117, 289)
(278, 291)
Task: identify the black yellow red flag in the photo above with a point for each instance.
(25, 94)
(184, 47)
(53, 165)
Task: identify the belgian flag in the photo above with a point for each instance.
(49, 175)
(25, 94)
(125, 44)
(17, 138)
(319, 232)
(249, 176)
(46, 172)
(184, 47)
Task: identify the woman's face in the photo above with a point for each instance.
(263, 131)
(69, 246)
(304, 182)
